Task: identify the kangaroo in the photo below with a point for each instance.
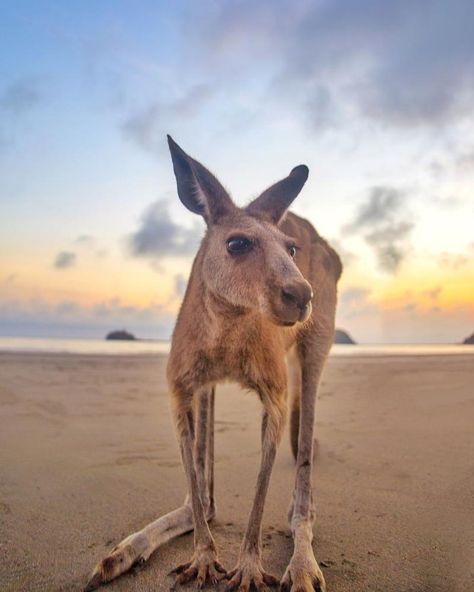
(259, 309)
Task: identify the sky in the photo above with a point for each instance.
(376, 98)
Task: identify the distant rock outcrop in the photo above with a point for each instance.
(341, 336)
(469, 340)
(120, 335)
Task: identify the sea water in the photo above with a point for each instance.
(104, 347)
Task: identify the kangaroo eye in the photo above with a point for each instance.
(292, 251)
(238, 245)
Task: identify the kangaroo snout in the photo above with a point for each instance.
(298, 296)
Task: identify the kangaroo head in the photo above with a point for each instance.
(247, 261)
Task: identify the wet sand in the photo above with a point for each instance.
(88, 455)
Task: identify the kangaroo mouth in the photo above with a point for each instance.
(291, 318)
(305, 313)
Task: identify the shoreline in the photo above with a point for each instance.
(123, 348)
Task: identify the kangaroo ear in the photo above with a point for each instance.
(198, 189)
(274, 202)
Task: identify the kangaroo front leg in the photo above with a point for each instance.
(137, 547)
(204, 448)
(204, 566)
(249, 570)
(303, 573)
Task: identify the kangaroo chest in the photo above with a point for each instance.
(246, 355)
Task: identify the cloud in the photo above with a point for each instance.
(453, 260)
(20, 96)
(434, 293)
(406, 63)
(90, 244)
(413, 317)
(353, 297)
(65, 260)
(457, 162)
(159, 236)
(355, 302)
(11, 278)
(69, 318)
(388, 244)
(347, 256)
(380, 219)
(85, 239)
(16, 99)
(148, 126)
(320, 104)
(381, 204)
(465, 161)
(446, 202)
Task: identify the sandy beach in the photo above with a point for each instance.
(88, 455)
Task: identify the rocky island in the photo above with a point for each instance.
(341, 336)
(469, 340)
(120, 335)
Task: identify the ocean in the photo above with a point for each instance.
(103, 347)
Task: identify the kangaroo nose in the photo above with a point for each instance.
(297, 295)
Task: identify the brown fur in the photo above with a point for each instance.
(264, 318)
(236, 323)
(215, 340)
